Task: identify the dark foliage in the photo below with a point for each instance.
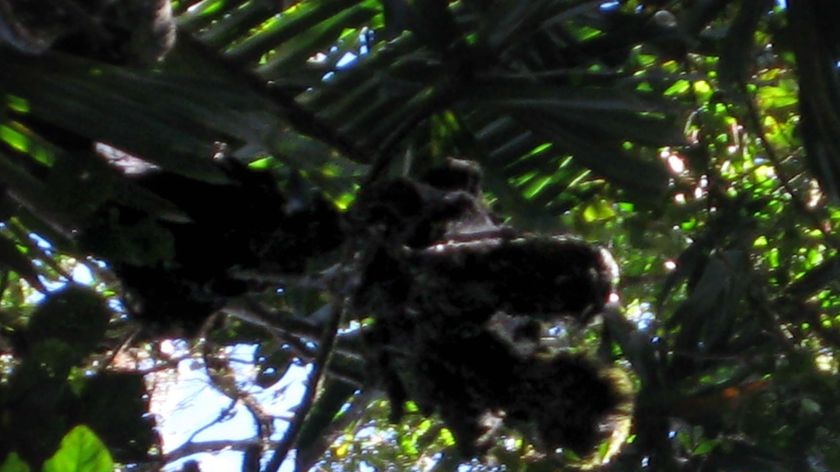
(243, 224)
(41, 402)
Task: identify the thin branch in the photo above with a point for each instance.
(119, 350)
(190, 448)
(290, 328)
(170, 363)
(224, 413)
(324, 351)
(223, 379)
(341, 366)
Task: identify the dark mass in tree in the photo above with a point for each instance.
(440, 304)
(243, 224)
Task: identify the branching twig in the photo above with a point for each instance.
(319, 367)
(190, 448)
(224, 382)
(290, 328)
(170, 363)
(282, 329)
(224, 413)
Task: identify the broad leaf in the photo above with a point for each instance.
(80, 451)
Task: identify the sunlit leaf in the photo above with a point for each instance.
(80, 451)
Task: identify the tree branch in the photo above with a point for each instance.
(294, 330)
(223, 379)
(190, 448)
(324, 351)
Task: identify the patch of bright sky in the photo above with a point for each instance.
(82, 275)
(346, 60)
(187, 402)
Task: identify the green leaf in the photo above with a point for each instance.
(14, 463)
(166, 119)
(647, 180)
(31, 191)
(509, 23)
(777, 97)
(598, 211)
(80, 451)
(145, 242)
(298, 50)
(294, 22)
(704, 447)
(591, 124)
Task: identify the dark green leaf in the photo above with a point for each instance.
(293, 23)
(299, 49)
(13, 463)
(74, 315)
(645, 180)
(115, 405)
(433, 23)
(606, 112)
(37, 402)
(80, 184)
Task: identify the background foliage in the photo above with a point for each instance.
(694, 138)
